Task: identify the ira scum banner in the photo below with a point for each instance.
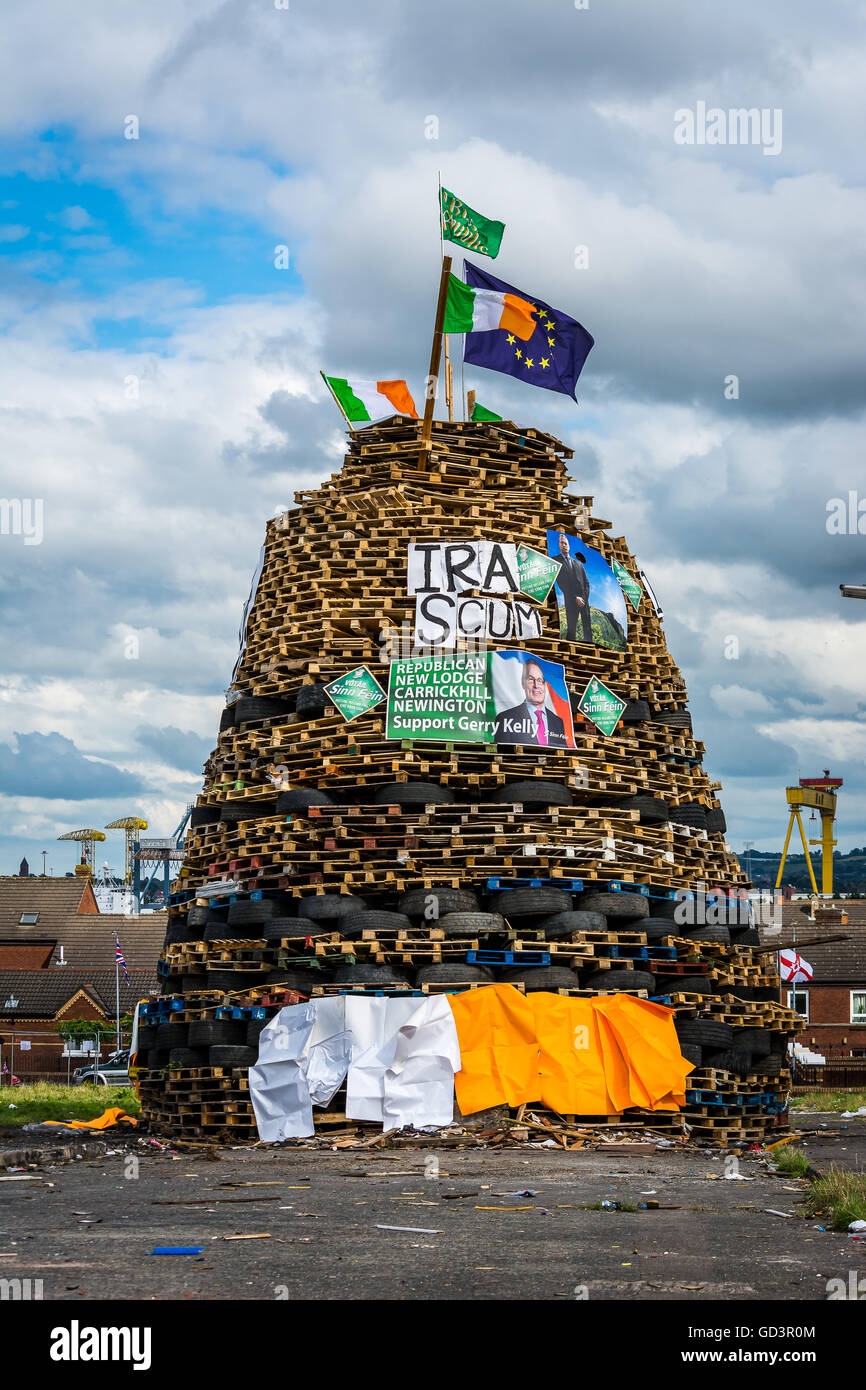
(445, 575)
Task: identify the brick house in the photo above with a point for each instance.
(834, 1003)
(57, 962)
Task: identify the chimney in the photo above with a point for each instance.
(23, 869)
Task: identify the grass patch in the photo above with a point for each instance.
(792, 1162)
(46, 1100)
(839, 1198)
(833, 1102)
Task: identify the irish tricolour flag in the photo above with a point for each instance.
(470, 310)
(363, 401)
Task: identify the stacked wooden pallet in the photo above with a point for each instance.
(500, 825)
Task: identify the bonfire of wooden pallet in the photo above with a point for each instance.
(361, 862)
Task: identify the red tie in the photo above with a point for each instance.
(541, 731)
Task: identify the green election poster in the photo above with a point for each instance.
(629, 585)
(537, 573)
(355, 693)
(441, 697)
(601, 706)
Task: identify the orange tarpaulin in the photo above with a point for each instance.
(571, 1071)
(107, 1120)
(498, 1048)
(643, 1062)
(594, 1056)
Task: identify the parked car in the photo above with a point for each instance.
(113, 1071)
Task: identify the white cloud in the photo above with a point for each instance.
(737, 699)
(75, 218)
(822, 741)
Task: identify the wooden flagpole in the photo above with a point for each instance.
(336, 401)
(449, 378)
(435, 357)
(470, 404)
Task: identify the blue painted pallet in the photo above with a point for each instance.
(248, 1011)
(175, 898)
(160, 1008)
(712, 1101)
(508, 957)
(570, 885)
(730, 1097)
(626, 952)
(618, 885)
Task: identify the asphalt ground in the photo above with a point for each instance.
(316, 1225)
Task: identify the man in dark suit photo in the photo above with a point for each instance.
(531, 722)
(573, 583)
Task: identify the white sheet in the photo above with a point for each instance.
(419, 1084)
(400, 1055)
(375, 1025)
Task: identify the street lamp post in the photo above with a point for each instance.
(11, 1004)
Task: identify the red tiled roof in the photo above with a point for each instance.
(87, 938)
(43, 993)
(50, 897)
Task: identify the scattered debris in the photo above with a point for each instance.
(415, 1230)
(176, 1250)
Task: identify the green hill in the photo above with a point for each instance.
(849, 870)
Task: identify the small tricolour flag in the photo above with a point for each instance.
(465, 226)
(363, 401)
(118, 956)
(471, 310)
(793, 969)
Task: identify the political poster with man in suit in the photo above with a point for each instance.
(530, 701)
(589, 597)
(512, 698)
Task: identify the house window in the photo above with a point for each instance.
(28, 919)
(858, 1006)
(798, 1000)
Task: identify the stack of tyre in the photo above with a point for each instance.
(535, 795)
(752, 1052)
(201, 1043)
(547, 913)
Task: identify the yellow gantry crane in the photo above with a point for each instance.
(131, 826)
(818, 793)
(87, 839)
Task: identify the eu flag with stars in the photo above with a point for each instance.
(552, 358)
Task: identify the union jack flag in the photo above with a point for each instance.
(118, 956)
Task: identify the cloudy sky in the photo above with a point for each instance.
(159, 386)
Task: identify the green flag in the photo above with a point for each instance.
(480, 412)
(468, 228)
